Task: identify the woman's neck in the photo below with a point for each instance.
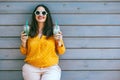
(40, 25)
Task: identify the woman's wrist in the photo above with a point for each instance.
(23, 44)
(59, 42)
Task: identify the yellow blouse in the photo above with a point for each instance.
(42, 52)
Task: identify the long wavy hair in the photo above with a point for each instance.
(48, 27)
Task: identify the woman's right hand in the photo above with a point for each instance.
(24, 38)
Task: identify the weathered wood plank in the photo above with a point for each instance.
(74, 31)
(90, 64)
(11, 54)
(85, 31)
(66, 64)
(65, 19)
(100, 54)
(11, 75)
(66, 7)
(60, 0)
(70, 42)
(92, 42)
(11, 64)
(10, 31)
(91, 54)
(90, 75)
(10, 42)
(68, 75)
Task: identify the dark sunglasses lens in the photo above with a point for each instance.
(37, 12)
(44, 13)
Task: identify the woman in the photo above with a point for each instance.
(41, 48)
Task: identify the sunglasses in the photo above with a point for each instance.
(41, 13)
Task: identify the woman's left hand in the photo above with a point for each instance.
(58, 36)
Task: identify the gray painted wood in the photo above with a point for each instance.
(66, 64)
(85, 54)
(11, 43)
(65, 19)
(11, 54)
(70, 42)
(11, 75)
(91, 54)
(69, 75)
(90, 75)
(10, 31)
(60, 0)
(63, 7)
(69, 31)
(93, 25)
(92, 42)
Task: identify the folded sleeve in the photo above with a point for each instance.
(60, 49)
(23, 50)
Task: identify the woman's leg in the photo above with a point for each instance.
(30, 73)
(52, 73)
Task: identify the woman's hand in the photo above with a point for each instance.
(24, 38)
(58, 38)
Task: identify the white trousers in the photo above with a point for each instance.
(34, 73)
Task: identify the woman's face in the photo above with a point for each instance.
(40, 15)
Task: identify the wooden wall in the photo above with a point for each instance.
(91, 31)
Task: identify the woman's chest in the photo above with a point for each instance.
(41, 42)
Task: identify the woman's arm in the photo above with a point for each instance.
(60, 47)
(24, 39)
